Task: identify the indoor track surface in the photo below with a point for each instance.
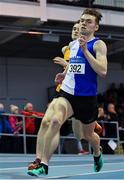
(63, 167)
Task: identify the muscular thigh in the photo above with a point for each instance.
(49, 113)
(63, 105)
(58, 105)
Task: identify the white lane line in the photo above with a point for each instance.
(85, 174)
(60, 166)
(16, 161)
(2, 160)
(12, 169)
(62, 160)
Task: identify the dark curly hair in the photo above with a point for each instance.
(93, 12)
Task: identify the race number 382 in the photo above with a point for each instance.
(77, 68)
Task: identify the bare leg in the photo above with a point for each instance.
(40, 143)
(62, 110)
(43, 129)
(77, 129)
(54, 145)
(92, 137)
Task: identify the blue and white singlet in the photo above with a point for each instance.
(81, 79)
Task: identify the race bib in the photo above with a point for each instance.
(77, 68)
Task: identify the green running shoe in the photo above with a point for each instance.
(40, 170)
(98, 163)
(34, 164)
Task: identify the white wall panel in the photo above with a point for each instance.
(55, 12)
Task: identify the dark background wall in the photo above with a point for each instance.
(26, 80)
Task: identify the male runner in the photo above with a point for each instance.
(78, 93)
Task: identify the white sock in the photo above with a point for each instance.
(44, 163)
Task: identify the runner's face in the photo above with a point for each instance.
(88, 24)
(75, 31)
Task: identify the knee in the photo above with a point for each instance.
(55, 124)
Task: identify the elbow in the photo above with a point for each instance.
(103, 73)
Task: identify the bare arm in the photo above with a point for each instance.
(99, 64)
(61, 61)
(60, 76)
(66, 69)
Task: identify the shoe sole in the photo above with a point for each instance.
(32, 174)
